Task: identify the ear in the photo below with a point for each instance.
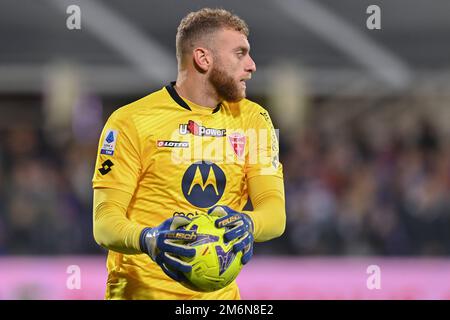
(202, 59)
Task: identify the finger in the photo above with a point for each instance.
(234, 233)
(217, 211)
(177, 276)
(212, 209)
(240, 246)
(176, 263)
(182, 235)
(176, 248)
(245, 241)
(228, 210)
(228, 221)
(179, 221)
(247, 256)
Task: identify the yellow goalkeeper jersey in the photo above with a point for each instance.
(178, 158)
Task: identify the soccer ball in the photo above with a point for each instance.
(215, 265)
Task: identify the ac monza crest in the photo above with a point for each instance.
(237, 141)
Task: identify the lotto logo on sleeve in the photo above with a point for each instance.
(109, 143)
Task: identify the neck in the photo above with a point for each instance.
(196, 89)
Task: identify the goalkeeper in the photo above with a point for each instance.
(149, 178)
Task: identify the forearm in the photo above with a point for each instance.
(112, 229)
(269, 213)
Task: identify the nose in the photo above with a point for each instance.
(251, 66)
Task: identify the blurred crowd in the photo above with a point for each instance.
(378, 184)
(372, 185)
(45, 194)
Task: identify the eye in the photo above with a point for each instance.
(241, 52)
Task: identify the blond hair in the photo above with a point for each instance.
(196, 25)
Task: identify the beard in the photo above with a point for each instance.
(226, 87)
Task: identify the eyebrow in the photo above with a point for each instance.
(242, 48)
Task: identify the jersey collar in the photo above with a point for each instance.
(180, 101)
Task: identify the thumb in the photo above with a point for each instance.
(179, 221)
(217, 211)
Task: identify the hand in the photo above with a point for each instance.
(164, 243)
(240, 227)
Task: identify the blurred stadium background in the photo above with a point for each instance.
(364, 119)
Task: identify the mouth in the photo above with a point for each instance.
(242, 81)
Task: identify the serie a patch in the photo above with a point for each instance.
(109, 142)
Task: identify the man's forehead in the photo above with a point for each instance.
(232, 38)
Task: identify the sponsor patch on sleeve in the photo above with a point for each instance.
(109, 143)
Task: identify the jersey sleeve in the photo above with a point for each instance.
(118, 163)
(263, 150)
(269, 212)
(112, 228)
